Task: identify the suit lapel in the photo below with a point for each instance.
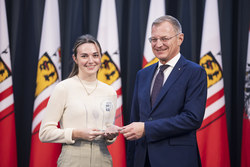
(148, 82)
(174, 75)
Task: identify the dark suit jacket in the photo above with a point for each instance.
(171, 124)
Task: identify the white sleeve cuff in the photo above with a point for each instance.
(68, 136)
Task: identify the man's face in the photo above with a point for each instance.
(169, 46)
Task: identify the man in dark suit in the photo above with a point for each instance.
(168, 104)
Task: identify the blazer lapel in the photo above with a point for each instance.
(174, 75)
(148, 83)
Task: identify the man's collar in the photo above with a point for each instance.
(171, 62)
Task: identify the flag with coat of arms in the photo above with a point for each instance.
(109, 71)
(156, 9)
(48, 75)
(8, 150)
(245, 145)
(212, 135)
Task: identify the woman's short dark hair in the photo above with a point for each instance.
(87, 38)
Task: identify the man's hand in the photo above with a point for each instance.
(133, 131)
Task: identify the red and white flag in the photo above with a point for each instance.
(156, 9)
(48, 75)
(245, 150)
(109, 72)
(8, 151)
(212, 136)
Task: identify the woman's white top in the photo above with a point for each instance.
(70, 105)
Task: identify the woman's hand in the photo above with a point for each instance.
(86, 134)
(111, 132)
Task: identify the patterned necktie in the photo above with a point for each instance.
(158, 83)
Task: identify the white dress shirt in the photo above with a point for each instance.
(167, 71)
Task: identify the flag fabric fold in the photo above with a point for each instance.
(156, 9)
(109, 71)
(245, 146)
(212, 136)
(8, 150)
(48, 75)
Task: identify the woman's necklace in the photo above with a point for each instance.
(89, 93)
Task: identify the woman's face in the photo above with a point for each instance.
(88, 59)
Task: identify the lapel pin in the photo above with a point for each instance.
(179, 69)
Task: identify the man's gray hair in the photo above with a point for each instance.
(173, 21)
